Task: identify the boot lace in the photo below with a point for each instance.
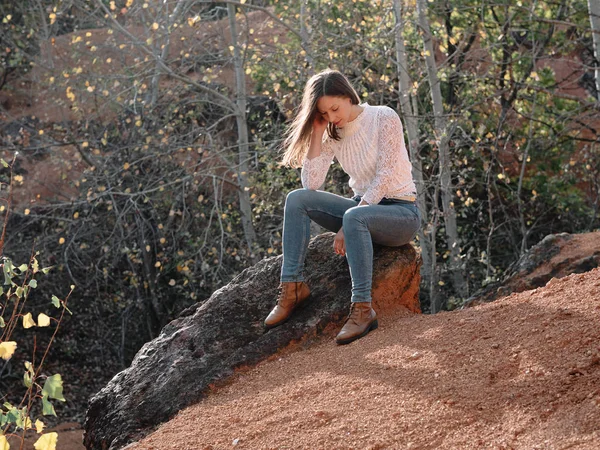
(282, 293)
(354, 314)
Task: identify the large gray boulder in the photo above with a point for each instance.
(209, 341)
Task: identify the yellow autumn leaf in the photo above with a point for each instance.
(27, 211)
(28, 321)
(4, 445)
(126, 166)
(76, 215)
(52, 17)
(39, 426)
(155, 26)
(7, 349)
(61, 241)
(128, 3)
(70, 94)
(46, 442)
(43, 321)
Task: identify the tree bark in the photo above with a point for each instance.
(242, 128)
(443, 138)
(594, 10)
(410, 114)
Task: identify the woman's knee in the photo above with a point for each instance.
(298, 197)
(354, 217)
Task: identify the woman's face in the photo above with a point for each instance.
(336, 110)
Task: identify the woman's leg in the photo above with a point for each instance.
(302, 206)
(391, 225)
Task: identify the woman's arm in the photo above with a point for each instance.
(318, 159)
(316, 138)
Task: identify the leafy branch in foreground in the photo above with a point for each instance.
(19, 283)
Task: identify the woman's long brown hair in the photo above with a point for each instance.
(297, 137)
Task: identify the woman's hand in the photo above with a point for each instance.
(339, 243)
(319, 124)
(318, 128)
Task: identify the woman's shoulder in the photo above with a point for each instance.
(384, 111)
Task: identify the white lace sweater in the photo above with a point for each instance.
(371, 151)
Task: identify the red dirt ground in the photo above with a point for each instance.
(520, 373)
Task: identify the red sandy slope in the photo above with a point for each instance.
(522, 373)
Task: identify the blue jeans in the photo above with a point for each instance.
(391, 223)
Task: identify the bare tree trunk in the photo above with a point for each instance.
(444, 133)
(305, 35)
(173, 18)
(242, 128)
(594, 10)
(410, 114)
(523, 225)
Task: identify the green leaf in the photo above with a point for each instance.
(27, 381)
(4, 163)
(24, 421)
(7, 405)
(33, 284)
(19, 292)
(7, 272)
(56, 301)
(35, 265)
(53, 387)
(47, 408)
(2, 323)
(23, 268)
(1, 290)
(13, 415)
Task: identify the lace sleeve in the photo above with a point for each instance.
(390, 144)
(315, 170)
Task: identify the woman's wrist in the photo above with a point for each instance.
(315, 144)
(317, 134)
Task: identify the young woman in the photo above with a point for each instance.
(369, 144)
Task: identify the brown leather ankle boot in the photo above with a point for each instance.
(291, 296)
(360, 321)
